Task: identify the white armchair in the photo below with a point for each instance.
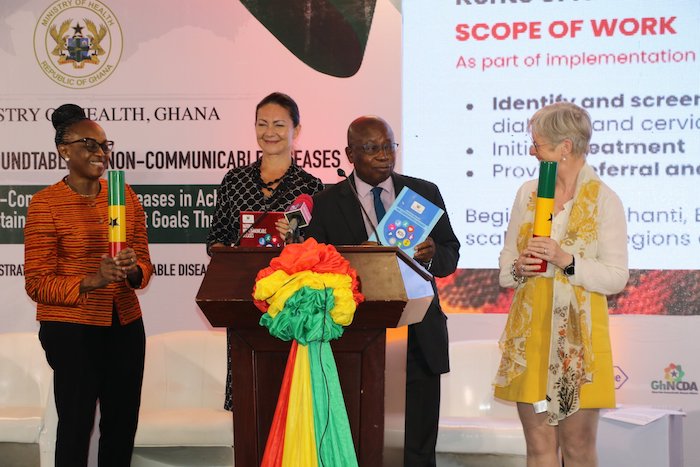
(475, 428)
(472, 421)
(182, 421)
(25, 393)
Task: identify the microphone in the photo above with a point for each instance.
(341, 173)
(298, 214)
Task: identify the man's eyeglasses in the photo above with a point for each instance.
(93, 146)
(372, 149)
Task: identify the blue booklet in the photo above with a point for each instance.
(408, 221)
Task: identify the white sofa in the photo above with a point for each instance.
(475, 428)
(182, 421)
(471, 420)
(25, 396)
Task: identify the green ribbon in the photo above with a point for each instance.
(305, 317)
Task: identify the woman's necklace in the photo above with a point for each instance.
(99, 188)
(269, 185)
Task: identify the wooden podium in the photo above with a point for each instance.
(397, 292)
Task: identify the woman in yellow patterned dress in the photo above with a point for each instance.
(557, 363)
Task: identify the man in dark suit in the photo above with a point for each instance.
(339, 220)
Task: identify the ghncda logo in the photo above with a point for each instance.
(673, 382)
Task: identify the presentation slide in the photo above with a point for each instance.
(476, 70)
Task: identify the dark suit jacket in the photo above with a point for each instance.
(337, 220)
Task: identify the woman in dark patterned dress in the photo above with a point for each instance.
(272, 182)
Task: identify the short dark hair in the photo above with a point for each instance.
(64, 117)
(282, 100)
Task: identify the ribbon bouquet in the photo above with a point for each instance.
(307, 295)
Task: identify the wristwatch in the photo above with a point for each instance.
(570, 269)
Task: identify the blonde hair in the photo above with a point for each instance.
(563, 120)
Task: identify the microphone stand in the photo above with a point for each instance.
(292, 235)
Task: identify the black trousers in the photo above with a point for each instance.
(90, 364)
(422, 408)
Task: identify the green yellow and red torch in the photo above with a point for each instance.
(117, 212)
(544, 206)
